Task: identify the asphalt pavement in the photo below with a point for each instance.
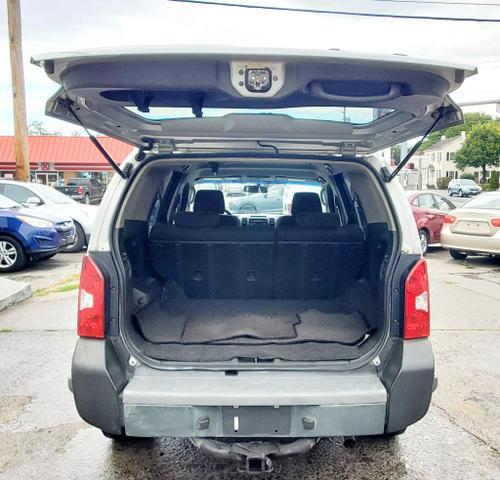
(42, 437)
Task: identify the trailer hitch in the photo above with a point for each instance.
(253, 457)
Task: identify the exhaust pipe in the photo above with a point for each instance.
(253, 457)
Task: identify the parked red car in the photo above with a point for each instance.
(429, 210)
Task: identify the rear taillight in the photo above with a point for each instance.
(91, 300)
(449, 219)
(495, 222)
(79, 190)
(417, 312)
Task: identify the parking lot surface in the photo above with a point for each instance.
(41, 435)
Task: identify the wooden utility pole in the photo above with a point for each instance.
(19, 102)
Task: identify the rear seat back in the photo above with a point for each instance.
(212, 261)
(316, 255)
(310, 257)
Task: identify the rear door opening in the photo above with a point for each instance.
(299, 279)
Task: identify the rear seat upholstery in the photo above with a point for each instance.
(309, 255)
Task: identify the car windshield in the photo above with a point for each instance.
(259, 196)
(488, 202)
(51, 194)
(7, 203)
(471, 183)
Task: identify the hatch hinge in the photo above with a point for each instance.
(348, 149)
(166, 146)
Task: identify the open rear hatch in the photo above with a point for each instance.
(213, 98)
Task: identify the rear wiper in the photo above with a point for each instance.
(415, 147)
(99, 147)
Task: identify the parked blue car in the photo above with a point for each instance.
(26, 235)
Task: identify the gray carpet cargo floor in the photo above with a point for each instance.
(250, 322)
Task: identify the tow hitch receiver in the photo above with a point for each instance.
(253, 457)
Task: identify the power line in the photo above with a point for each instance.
(333, 12)
(438, 2)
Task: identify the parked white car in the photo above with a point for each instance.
(473, 228)
(53, 202)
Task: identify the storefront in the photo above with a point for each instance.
(56, 159)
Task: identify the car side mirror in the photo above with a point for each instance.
(33, 201)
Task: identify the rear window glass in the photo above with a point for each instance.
(353, 115)
(263, 196)
(489, 202)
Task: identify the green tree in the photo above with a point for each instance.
(481, 148)
(470, 121)
(37, 128)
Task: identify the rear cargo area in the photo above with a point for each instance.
(207, 285)
(210, 301)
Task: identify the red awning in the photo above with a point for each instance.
(64, 153)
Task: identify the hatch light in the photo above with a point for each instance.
(91, 300)
(417, 305)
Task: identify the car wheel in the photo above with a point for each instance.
(424, 240)
(248, 208)
(12, 256)
(450, 193)
(79, 241)
(460, 193)
(457, 255)
(87, 199)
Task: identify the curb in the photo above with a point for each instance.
(12, 292)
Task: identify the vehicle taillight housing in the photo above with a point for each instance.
(449, 219)
(79, 190)
(91, 300)
(417, 323)
(495, 222)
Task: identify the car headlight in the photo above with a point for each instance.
(35, 222)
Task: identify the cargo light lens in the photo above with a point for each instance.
(258, 79)
(449, 219)
(91, 300)
(495, 222)
(417, 322)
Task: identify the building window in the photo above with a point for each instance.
(452, 174)
(450, 156)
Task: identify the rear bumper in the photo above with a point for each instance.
(281, 404)
(470, 243)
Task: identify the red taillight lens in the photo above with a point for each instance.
(449, 219)
(417, 307)
(91, 300)
(495, 222)
(80, 190)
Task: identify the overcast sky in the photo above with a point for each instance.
(62, 25)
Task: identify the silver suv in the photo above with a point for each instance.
(254, 334)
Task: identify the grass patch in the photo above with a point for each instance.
(71, 282)
(66, 288)
(6, 330)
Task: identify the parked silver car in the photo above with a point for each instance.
(253, 340)
(463, 187)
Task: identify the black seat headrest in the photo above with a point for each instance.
(306, 202)
(209, 201)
